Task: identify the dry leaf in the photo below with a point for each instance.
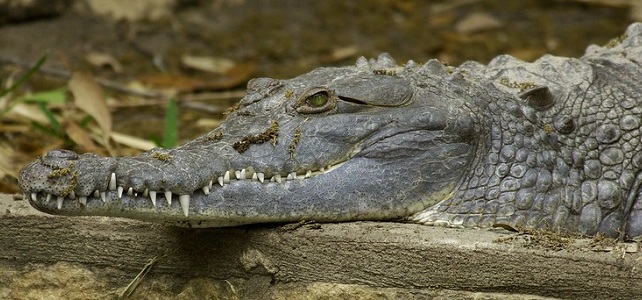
(132, 141)
(239, 74)
(6, 160)
(89, 97)
(28, 113)
(82, 138)
(210, 64)
(170, 80)
(104, 60)
(477, 22)
(339, 54)
(235, 76)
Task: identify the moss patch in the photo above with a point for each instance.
(295, 142)
(58, 172)
(270, 134)
(61, 172)
(161, 156)
(214, 136)
(517, 85)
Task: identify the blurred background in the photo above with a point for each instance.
(119, 77)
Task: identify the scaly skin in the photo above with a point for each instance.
(552, 144)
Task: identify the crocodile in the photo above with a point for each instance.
(552, 144)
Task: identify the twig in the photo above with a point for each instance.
(131, 287)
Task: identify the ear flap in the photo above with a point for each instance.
(374, 89)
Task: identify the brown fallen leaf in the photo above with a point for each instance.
(219, 65)
(238, 74)
(235, 76)
(178, 82)
(82, 138)
(89, 97)
(132, 141)
(339, 54)
(478, 22)
(100, 60)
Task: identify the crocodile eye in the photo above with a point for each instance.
(316, 100)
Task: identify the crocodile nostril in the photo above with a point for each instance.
(59, 159)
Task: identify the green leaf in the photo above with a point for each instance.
(170, 132)
(85, 121)
(57, 96)
(53, 122)
(43, 128)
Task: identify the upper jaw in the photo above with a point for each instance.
(60, 194)
(61, 175)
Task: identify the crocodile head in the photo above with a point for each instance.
(370, 141)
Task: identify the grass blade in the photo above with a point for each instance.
(170, 132)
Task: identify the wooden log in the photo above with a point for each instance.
(261, 261)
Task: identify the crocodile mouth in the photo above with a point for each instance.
(115, 193)
(341, 191)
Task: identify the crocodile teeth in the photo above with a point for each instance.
(72, 195)
(152, 196)
(308, 174)
(130, 191)
(168, 197)
(220, 180)
(184, 200)
(210, 184)
(226, 178)
(112, 182)
(82, 200)
(120, 192)
(206, 190)
(34, 196)
(96, 194)
(145, 193)
(48, 198)
(103, 196)
(241, 175)
(277, 178)
(59, 202)
(260, 177)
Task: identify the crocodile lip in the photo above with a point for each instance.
(120, 198)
